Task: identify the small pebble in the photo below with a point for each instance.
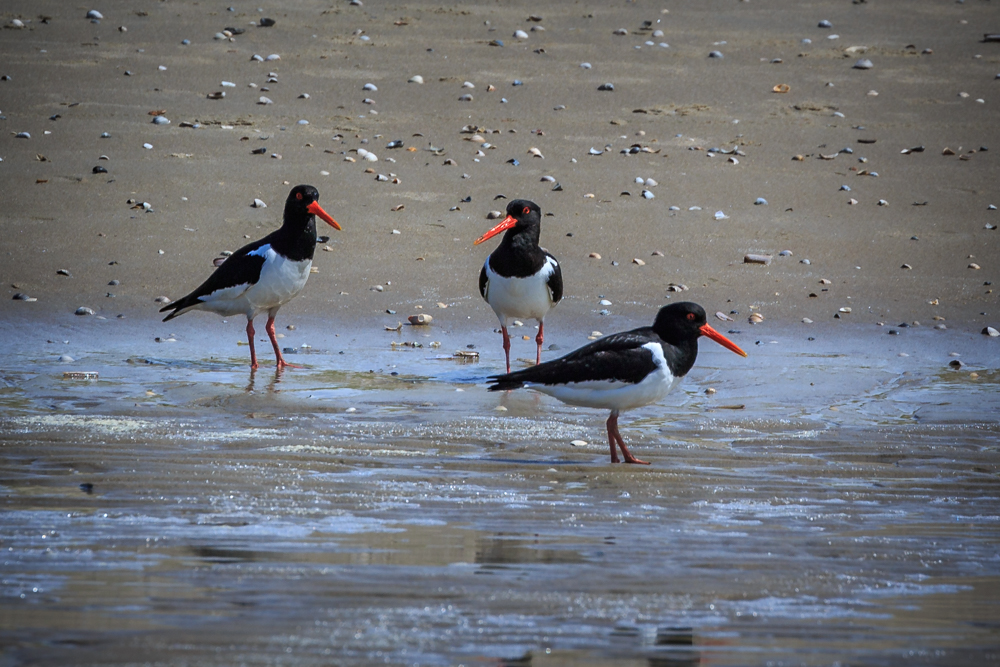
(863, 63)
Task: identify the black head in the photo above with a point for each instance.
(525, 212)
(302, 204)
(522, 216)
(682, 323)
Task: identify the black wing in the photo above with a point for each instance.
(240, 268)
(619, 357)
(555, 281)
(483, 281)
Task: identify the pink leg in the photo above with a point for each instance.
(253, 352)
(281, 363)
(538, 340)
(613, 433)
(506, 345)
(612, 427)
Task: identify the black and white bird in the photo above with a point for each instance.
(520, 279)
(264, 275)
(624, 370)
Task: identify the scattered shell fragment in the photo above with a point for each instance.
(754, 258)
(94, 14)
(257, 203)
(975, 266)
(781, 88)
(422, 318)
(638, 261)
(594, 255)
(845, 309)
(863, 63)
(990, 331)
(722, 316)
(83, 310)
(416, 78)
(606, 86)
(578, 443)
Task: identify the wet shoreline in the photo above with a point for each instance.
(221, 523)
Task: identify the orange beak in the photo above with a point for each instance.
(708, 331)
(504, 225)
(316, 209)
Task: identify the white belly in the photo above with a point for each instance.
(612, 395)
(280, 281)
(524, 298)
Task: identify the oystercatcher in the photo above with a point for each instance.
(263, 275)
(520, 279)
(624, 370)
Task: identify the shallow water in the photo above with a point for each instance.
(831, 502)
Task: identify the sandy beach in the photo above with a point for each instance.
(867, 408)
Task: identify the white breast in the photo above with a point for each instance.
(524, 298)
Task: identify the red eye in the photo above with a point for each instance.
(298, 195)
(690, 317)
(525, 211)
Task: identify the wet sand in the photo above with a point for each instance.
(834, 500)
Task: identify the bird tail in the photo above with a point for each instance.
(504, 383)
(178, 307)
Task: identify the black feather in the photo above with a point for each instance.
(619, 357)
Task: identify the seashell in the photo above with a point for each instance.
(845, 309)
(760, 201)
(825, 24)
(863, 63)
(715, 54)
(606, 86)
(537, 153)
(369, 86)
(302, 122)
(416, 78)
(620, 31)
(974, 266)
(781, 88)
(650, 183)
(594, 255)
(264, 100)
(638, 262)
(370, 157)
(990, 331)
(257, 203)
(588, 66)
(547, 179)
(646, 194)
(273, 57)
(420, 319)
(465, 98)
(756, 318)
(160, 120)
(751, 258)
(882, 202)
(494, 215)
(719, 215)
(94, 14)
(83, 310)
(368, 100)
(594, 151)
(520, 34)
(468, 84)
(722, 316)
